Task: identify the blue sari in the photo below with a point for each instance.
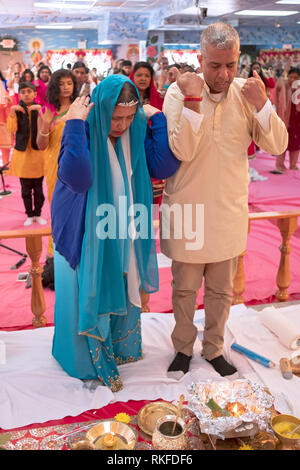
(96, 325)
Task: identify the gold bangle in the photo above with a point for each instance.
(44, 135)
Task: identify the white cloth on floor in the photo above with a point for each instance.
(285, 326)
(248, 331)
(35, 389)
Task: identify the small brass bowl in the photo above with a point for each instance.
(126, 438)
(286, 441)
(83, 445)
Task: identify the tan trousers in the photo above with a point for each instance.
(187, 280)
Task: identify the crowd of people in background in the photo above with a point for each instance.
(52, 93)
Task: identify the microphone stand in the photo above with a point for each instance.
(4, 192)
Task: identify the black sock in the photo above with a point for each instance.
(222, 366)
(180, 363)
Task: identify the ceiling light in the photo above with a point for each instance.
(289, 2)
(266, 12)
(59, 6)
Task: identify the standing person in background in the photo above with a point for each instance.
(27, 160)
(142, 76)
(269, 81)
(171, 78)
(212, 119)
(13, 87)
(27, 76)
(93, 79)
(80, 72)
(289, 111)
(160, 68)
(61, 93)
(127, 67)
(16, 68)
(41, 83)
(116, 67)
(6, 140)
(269, 84)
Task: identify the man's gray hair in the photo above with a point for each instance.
(219, 35)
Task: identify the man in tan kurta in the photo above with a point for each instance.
(212, 119)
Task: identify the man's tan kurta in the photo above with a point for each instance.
(213, 172)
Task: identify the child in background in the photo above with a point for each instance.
(27, 160)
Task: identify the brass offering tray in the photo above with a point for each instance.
(149, 414)
(124, 436)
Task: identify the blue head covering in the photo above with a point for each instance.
(101, 278)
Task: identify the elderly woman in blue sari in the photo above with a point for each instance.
(102, 259)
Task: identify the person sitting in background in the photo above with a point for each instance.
(27, 160)
(41, 83)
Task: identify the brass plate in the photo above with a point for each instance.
(125, 436)
(149, 414)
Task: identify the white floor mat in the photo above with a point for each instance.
(34, 388)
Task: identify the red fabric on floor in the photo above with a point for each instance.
(109, 411)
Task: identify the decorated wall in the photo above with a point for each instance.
(34, 44)
(256, 38)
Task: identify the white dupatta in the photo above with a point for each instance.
(133, 276)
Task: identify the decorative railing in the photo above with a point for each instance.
(287, 223)
(33, 240)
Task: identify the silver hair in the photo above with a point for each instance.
(219, 35)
